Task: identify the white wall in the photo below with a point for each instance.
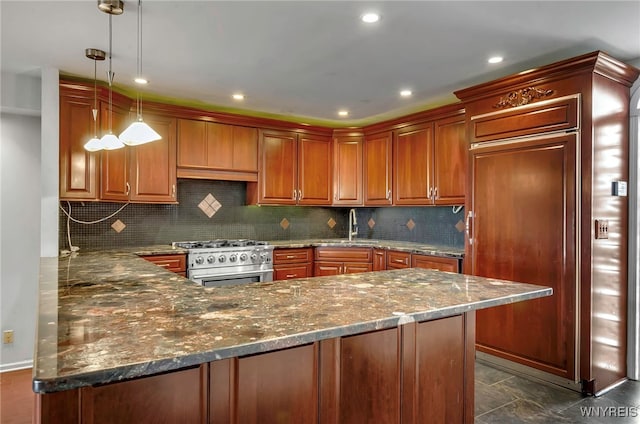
(28, 202)
(20, 228)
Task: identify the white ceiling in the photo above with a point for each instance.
(308, 59)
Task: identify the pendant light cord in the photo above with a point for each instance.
(110, 77)
(138, 102)
(95, 98)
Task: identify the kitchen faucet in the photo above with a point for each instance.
(353, 229)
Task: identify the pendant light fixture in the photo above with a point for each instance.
(94, 144)
(112, 7)
(139, 132)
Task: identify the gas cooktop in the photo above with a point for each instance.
(214, 244)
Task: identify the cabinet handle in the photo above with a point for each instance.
(435, 193)
(467, 226)
(291, 275)
(128, 188)
(299, 194)
(388, 194)
(290, 257)
(294, 194)
(431, 193)
(173, 191)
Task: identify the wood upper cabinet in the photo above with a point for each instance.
(78, 167)
(377, 169)
(315, 171)
(430, 163)
(114, 179)
(294, 169)
(144, 173)
(450, 150)
(347, 166)
(153, 165)
(212, 150)
(413, 165)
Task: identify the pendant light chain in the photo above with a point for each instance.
(138, 102)
(110, 76)
(94, 112)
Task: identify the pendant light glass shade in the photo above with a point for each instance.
(93, 145)
(111, 142)
(139, 133)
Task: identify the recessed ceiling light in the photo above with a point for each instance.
(140, 80)
(495, 59)
(370, 18)
(343, 112)
(406, 93)
(238, 96)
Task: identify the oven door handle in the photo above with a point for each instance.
(208, 275)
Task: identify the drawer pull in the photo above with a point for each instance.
(291, 257)
(164, 265)
(292, 275)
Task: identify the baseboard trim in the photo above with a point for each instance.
(15, 366)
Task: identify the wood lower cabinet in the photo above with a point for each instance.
(342, 260)
(379, 259)
(347, 168)
(414, 373)
(378, 169)
(398, 260)
(435, 262)
(211, 150)
(292, 263)
(174, 263)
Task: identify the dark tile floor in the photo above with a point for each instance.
(502, 397)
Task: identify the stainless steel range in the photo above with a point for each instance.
(216, 263)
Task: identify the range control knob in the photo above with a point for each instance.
(243, 257)
(199, 260)
(263, 257)
(254, 257)
(211, 259)
(222, 258)
(233, 258)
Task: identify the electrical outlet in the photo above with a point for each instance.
(602, 229)
(7, 336)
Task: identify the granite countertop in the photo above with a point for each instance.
(404, 246)
(105, 316)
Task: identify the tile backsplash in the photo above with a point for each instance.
(216, 209)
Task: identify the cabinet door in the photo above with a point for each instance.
(288, 272)
(192, 143)
(435, 262)
(450, 161)
(524, 229)
(315, 171)
(377, 169)
(412, 166)
(78, 171)
(245, 149)
(354, 268)
(278, 167)
(153, 165)
(173, 263)
(327, 268)
(397, 260)
(219, 146)
(379, 259)
(291, 256)
(115, 184)
(347, 180)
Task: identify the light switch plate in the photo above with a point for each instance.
(602, 229)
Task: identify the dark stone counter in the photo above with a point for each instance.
(107, 316)
(403, 246)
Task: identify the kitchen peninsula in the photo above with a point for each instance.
(122, 340)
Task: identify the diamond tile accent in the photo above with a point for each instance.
(460, 226)
(410, 224)
(371, 223)
(209, 205)
(284, 223)
(118, 226)
(331, 222)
